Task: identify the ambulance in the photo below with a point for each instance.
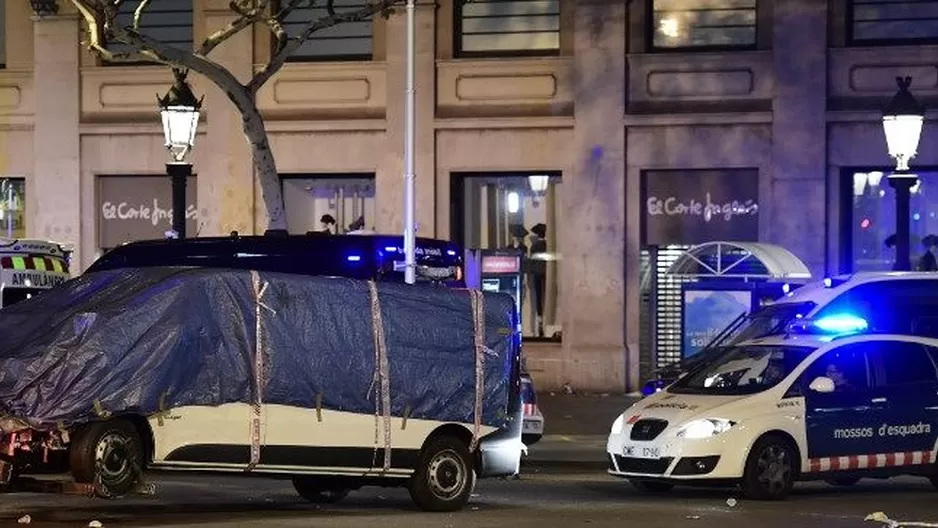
(845, 388)
(30, 267)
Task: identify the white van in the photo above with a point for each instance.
(826, 400)
(30, 267)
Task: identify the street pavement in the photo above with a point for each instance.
(563, 483)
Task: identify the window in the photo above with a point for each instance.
(508, 27)
(168, 21)
(846, 366)
(910, 305)
(703, 24)
(515, 213)
(743, 370)
(12, 210)
(893, 20)
(870, 204)
(338, 202)
(903, 363)
(346, 41)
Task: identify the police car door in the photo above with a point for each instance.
(842, 423)
(905, 374)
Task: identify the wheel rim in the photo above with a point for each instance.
(113, 457)
(447, 475)
(774, 468)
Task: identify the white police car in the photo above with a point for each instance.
(824, 400)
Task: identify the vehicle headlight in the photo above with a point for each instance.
(617, 425)
(704, 428)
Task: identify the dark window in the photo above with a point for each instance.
(903, 363)
(846, 366)
(894, 306)
(703, 24)
(508, 27)
(345, 41)
(168, 21)
(893, 20)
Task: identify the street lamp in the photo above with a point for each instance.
(902, 123)
(180, 112)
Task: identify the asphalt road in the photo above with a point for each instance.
(542, 498)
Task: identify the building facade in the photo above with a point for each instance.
(627, 128)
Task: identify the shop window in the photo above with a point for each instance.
(889, 21)
(12, 207)
(341, 203)
(168, 21)
(872, 218)
(679, 24)
(345, 41)
(515, 211)
(508, 27)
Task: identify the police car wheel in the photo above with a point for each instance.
(652, 486)
(770, 469)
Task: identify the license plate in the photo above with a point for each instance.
(637, 451)
(530, 426)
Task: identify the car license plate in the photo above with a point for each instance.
(637, 451)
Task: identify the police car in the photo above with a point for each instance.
(824, 399)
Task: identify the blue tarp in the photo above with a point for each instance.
(126, 338)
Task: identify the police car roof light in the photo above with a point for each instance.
(840, 324)
(354, 258)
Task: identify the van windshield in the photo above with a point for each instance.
(743, 370)
(770, 320)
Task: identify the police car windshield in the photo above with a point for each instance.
(770, 320)
(743, 370)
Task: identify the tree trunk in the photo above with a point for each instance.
(265, 169)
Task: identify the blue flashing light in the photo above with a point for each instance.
(390, 249)
(841, 324)
(451, 252)
(354, 258)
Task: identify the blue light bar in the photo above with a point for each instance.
(354, 258)
(841, 324)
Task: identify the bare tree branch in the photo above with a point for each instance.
(247, 17)
(138, 13)
(280, 58)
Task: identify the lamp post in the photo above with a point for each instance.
(410, 216)
(902, 123)
(180, 112)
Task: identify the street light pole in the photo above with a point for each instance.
(903, 118)
(410, 260)
(179, 110)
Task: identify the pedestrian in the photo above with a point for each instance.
(928, 262)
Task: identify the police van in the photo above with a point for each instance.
(30, 267)
(826, 398)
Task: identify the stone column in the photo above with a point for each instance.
(57, 145)
(799, 132)
(389, 193)
(226, 190)
(593, 204)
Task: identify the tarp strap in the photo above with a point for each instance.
(381, 381)
(99, 410)
(162, 409)
(319, 407)
(478, 319)
(259, 366)
(405, 417)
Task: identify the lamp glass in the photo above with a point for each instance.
(179, 129)
(874, 178)
(859, 183)
(902, 136)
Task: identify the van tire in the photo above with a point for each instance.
(318, 491)
(108, 455)
(444, 477)
(770, 469)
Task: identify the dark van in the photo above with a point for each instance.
(365, 256)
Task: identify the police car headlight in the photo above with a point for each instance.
(617, 425)
(704, 428)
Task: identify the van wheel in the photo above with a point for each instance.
(770, 469)
(652, 486)
(108, 455)
(317, 491)
(445, 476)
